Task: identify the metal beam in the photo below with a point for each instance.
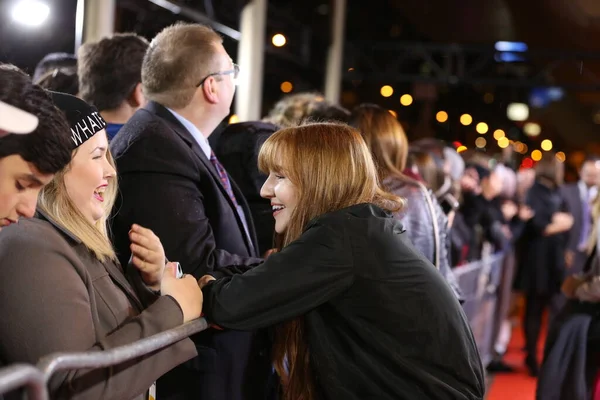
(197, 16)
(463, 64)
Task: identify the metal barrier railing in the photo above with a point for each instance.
(100, 359)
(479, 281)
(24, 375)
(36, 378)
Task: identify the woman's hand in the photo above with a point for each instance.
(148, 255)
(185, 291)
(570, 285)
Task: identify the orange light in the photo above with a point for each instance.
(441, 116)
(286, 87)
(386, 91)
(503, 142)
(466, 119)
(498, 134)
(481, 128)
(406, 100)
(536, 155)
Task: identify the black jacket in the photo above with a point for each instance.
(381, 321)
(542, 267)
(167, 184)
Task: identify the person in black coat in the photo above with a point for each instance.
(541, 253)
(171, 182)
(357, 311)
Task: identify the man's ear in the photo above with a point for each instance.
(210, 90)
(137, 99)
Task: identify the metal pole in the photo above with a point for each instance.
(101, 359)
(248, 99)
(19, 375)
(95, 20)
(333, 81)
(195, 15)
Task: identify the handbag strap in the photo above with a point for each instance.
(436, 227)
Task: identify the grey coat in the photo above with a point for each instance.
(55, 296)
(426, 225)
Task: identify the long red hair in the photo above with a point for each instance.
(331, 168)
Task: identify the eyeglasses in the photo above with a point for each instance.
(235, 71)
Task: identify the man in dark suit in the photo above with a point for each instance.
(172, 183)
(578, 197)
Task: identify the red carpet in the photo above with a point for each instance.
(518, 385)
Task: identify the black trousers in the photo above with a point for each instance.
(535, 305)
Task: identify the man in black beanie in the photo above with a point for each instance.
(28, 161)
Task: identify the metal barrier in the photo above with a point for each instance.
(36, 379)
(23, 375)
(100, 359)
(479, 282)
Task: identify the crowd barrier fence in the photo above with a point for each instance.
(35, 379)
(482, 282)
(486, 293)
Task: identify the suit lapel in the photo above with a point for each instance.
(197, 150)
(253, 246)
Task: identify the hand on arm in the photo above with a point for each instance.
(185, 291)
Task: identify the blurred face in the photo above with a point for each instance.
(590, 173)
(283, 196)
(88, 177)
(492, 185)
(20, 184)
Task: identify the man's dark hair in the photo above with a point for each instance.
(325, 111)
(48, 147)
(60, 80)
(54, 61)
(110, 69)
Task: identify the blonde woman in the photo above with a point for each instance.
(358, 312)
(61, 288)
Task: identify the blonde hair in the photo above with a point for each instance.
(293, 109)
(55, 202)
(331, 168)
(178, 58)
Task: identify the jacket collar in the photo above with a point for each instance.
(363, 210)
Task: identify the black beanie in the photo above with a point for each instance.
(84, 119)
(481, 171)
